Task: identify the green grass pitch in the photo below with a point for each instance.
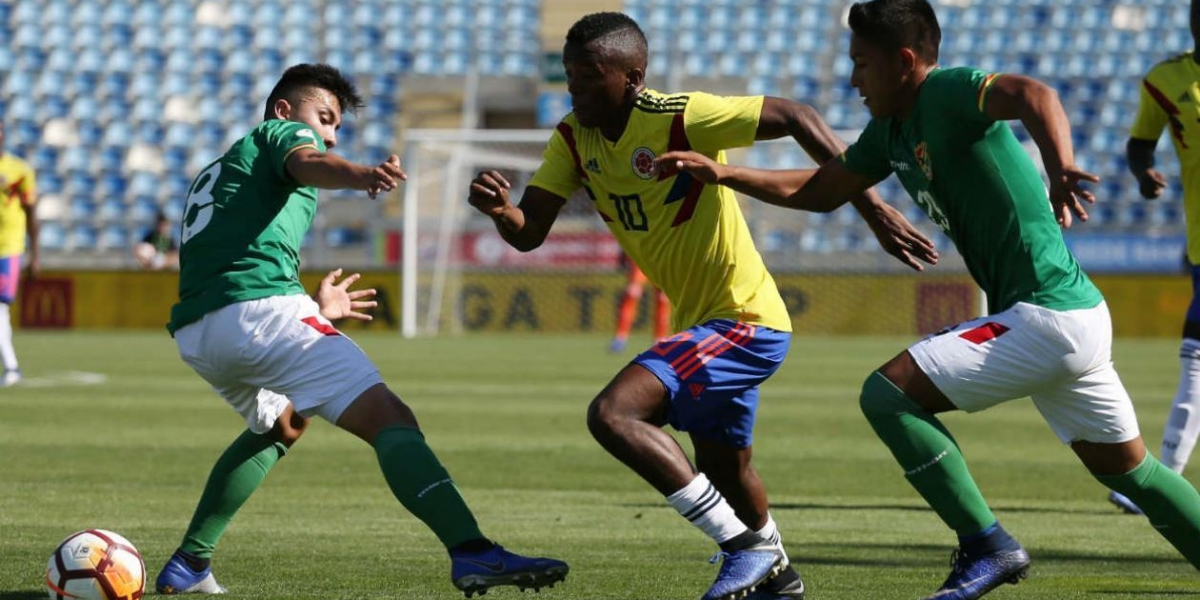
(113, 431)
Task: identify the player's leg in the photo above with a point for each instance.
(10, 273)
(1183, 424)
(1093, 412)
(662, 314)
(971, 367)
(328, 375)
(238, 472)
(627, 309)
(732, 474)
(666, 384)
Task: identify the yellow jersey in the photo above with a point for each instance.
(1170, 99)
(17, 185)
(690, 239)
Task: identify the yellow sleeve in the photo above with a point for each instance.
(28, 187)
(1151, 117)
(560, 170)
(715, 123)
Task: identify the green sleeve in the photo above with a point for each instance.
(285, 137)
(868, 154)
(962, 92)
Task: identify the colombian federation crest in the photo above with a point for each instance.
(643, 162)
(921, 153)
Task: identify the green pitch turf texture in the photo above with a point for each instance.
(113, 431)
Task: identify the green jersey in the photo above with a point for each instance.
(243, 224)
(975, 181)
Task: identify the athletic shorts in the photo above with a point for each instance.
(261, 354)
(1193, 313)
(10, 275)
(1061, 359)
(712, 373)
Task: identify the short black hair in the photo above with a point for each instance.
(618, 30)
(321, 76)
(895, 24)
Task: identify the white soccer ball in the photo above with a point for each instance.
(95, 565)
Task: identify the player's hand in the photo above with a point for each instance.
(385, 177)
(1151, 184)
(698, 165)
(901, 239)
(338, 302)
(33, 269)
(489, 194)
(1067, 195)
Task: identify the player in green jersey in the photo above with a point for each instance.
(245, 324)
(1049, 335)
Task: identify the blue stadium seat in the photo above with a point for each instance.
(82, 207)
(81, 236)
(143, 209)
(52, 235)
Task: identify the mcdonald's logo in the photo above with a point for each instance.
(47, 304)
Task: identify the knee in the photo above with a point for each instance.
(603, 419)
(288, 429)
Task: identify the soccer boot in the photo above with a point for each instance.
(786, 586)
(973, 576)
(744, 570)
(475, 572)
(617, 346)
(177, 577)
(11, 378)
(1125, 504)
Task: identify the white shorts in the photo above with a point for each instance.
(261, 354)
(1061, 359)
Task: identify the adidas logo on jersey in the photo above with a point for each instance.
(592, 165)
(1185, 97)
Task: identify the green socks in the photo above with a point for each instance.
(239, 471)
(928, 454)
(423, 486)
(1169, 501)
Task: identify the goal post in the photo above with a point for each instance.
(458, 275)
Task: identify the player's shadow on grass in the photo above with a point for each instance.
(919, 555)
(1000, 508)
(23, 595)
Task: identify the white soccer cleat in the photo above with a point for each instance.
(11, 378)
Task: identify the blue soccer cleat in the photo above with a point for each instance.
(973, 576)
(475, 572)
(787, 586)
(1125, 504)
(617, 346)
(744, 570)
(177, 577)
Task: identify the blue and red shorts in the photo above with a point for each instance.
(10, 274)
(712, 373)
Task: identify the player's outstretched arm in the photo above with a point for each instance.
(332, 172)
(337, 301)
(1139, 154)
(1037, 106)
(524, 227)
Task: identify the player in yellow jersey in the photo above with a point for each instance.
(692, 242)
(1170, 100)
(18, 218)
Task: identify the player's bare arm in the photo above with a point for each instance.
(1139, 154)
(525, 226)
(822, 144)
(338, 301)
(1037, 106)
(813, 190)
(33, 229)
(331, 172)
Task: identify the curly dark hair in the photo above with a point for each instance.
(617, 29)
(895, 24)
(320, 76)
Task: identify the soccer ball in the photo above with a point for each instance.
(95, 565)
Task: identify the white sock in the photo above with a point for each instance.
(770, 532)
(1183, 424)
(701, 503)
(8, 356)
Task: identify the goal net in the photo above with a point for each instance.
(459, 276)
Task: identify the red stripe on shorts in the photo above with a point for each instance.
(319, 326)
(983, 333)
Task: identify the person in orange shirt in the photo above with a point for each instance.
(18, 219)
(630, 299)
